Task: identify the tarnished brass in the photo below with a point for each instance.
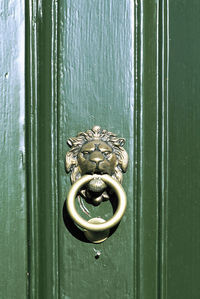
(102, 226)
(97, 161)
(96, 237)
(100, 152)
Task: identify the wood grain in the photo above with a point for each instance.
(132, 68)
(41, 147)
(13, 234)
(96, 88)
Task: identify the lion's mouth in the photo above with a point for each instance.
(98, 171)
(97, 168)
(101, 171)
(96, 185)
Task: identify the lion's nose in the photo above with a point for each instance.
(96, 157)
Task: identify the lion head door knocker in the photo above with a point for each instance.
(97, 161)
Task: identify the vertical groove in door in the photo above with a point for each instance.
(137, 128)
(152, 135)
(136, 190)
(151, 56)
(147, 102)
(41, 147)
(31, 146)
(54, 144)
(163, 48)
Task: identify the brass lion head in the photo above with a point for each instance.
(99, 152)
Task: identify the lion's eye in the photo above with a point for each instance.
(107, 154)
(85, 153)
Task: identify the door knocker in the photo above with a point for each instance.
(97, 161)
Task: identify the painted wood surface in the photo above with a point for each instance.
(13, 219)
(183, 208)
(96, 59)
(41, 148)
(131, 67)
(114, 64)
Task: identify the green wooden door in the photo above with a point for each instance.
(131, 67)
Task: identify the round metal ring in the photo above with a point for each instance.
(114, 220)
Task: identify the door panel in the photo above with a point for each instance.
(131, 67)
(104, 61)
(96, 88)
(13, 216)
(183, 224)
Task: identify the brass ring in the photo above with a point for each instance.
(114, 220)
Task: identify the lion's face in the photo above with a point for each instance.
(96, 151)
(97, 157)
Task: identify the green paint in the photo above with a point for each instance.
(96, 88)
(120, 65)
(13, 236)
(183, 259)
(41, 147)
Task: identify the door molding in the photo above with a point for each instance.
(42, 146)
